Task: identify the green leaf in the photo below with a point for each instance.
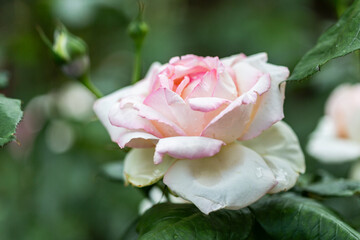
(279, 216)
(185, 221)
(10, 116)
(339, 40)
(287, 216)
(114, 171)
(130, 233)
(334, 188)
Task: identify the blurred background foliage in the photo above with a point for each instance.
(51, 186)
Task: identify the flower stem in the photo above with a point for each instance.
(86, 81)
(164, 189)
(137, 64)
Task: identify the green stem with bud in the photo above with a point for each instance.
(85, 80)
(137, 30)
(137, 64)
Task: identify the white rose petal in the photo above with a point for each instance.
(326, 146)
(234, 178)
(140, 170)
(281, 150)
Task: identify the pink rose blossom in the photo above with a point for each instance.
(189, 121)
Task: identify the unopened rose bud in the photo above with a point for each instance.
(138, 28)
(71, 52)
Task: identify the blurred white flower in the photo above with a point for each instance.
(36, 113)
(337, 136)
(74, 101)
(59, 136)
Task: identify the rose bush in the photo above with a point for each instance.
(210, 128)
(337, 136)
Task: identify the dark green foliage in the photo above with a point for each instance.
(280, 216)
(340, 39)
(10, 116)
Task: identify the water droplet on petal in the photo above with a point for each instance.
(157, 172)
(281, 175)
(259, 172)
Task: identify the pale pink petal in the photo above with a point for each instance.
(102, 108)
(182, 85)
(186, 147)
(234, 178)
(165, 82)
(173, 107)
(225, 86)
(231, 122)
(128, 117)
(190, 88)
(207, 104)
(132, 114)
(152, 75)
(187, 65)
(234, 121)
(230, 61)
(246, 76)
(103, 105)
(154, 69)
(165, 126)
(206, 86)
(137, 140)
(269, 109)
(256, 58)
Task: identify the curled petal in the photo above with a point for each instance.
(140, 170)
(246, 76)
(102, 108)
(230, 61)
(235, 120)
(128, 117)
(132, 114)
(186, 147)
(207, 104)
(280, 149)
(206, 86)
(233, 179)
(225, 86)
(165, 126)
(269, 109)
(137, 140)
(174, 108)
(326, 146)
(103, 105)
(256, 58)
(230, 123)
